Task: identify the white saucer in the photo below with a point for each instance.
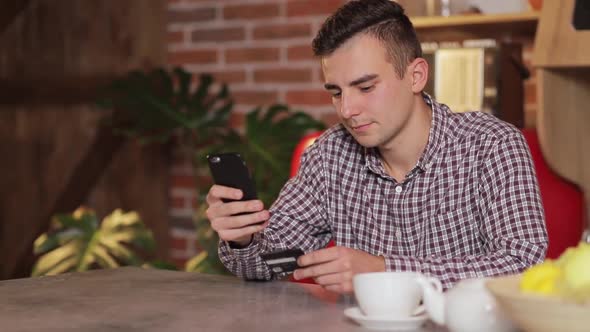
(386, 323)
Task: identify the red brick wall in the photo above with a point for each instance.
(261, 48)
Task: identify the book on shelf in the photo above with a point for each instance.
(477, 75)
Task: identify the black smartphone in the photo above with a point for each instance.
(230, 170)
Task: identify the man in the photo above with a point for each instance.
(402, 184)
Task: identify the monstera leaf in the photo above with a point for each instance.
(77, 242)
(267, 145)
(207, 261)
(157, 105)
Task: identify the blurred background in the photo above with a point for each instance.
(112, 104)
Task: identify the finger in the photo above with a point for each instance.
(319, 256)
(245, 206)
(233, 222)
(237, 233)
(317, 270)
(333, 278)
(232, 208)
(217, 192)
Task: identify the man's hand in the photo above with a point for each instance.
(334, 267)
(226, 223)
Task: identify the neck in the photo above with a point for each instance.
(400, 155)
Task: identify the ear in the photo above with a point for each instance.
(418, 70)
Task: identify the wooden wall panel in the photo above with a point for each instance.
(558, 44)
(53, 58)
(137, 179)
(53, 39)
(562, 58)
(54, 48)
(563, 123)
(39, 148)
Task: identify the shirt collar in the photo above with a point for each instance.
(436, 140)
(436, 135)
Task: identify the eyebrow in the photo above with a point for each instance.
(360, 80)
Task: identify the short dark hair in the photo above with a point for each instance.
(382, 19)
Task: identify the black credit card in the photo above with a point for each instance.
(282, 261)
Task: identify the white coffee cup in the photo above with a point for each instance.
(388, 294)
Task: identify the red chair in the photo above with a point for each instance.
(306, 141)
(563, 201)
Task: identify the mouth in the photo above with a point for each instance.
(362, 127)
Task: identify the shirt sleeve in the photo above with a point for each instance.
(297, 220)
(513, 224)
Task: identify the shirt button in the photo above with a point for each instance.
(398, 189)
(398, 234)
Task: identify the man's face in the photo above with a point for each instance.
(372, 101)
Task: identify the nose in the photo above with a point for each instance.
(348, 107)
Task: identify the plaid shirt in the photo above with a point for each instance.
(469, 208)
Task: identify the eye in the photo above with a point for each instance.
(367, 88)
(336, 94)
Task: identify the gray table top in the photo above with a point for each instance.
(134, 299)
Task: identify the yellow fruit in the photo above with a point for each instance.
(541, 279)
(565, 256)
(567, 277)
(576, 273)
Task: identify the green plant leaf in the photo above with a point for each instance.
(184, 84)
(102, 254)
(162, 265)
(267, 145)
(124, 254)
(61, 267)
(155, 106)
(162, 105)
(77, 243)
(205, 82)
(62, 258)
(44, 243)
(193, 264)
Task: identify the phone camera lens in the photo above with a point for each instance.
(215, 159)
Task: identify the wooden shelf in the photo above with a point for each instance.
(426, 22)
(476, 26)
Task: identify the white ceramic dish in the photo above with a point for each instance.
(385, 323)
